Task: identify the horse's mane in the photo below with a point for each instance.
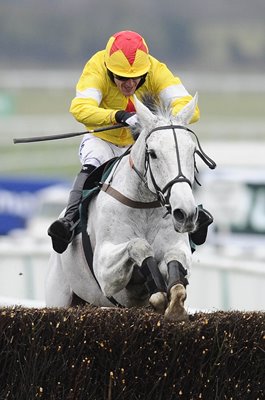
(154, 104)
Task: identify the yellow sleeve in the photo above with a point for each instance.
(90, 90)
(88, 112)
(170, 89)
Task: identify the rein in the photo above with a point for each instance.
(162, 199)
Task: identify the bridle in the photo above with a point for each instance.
(163, 194)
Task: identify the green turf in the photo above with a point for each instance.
(232, 105)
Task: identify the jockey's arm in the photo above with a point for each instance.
(87, 106)
(171, 91)
(86, 110)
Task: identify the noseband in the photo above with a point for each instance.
(163, 194)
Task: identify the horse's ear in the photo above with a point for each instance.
(145, 116)
(184, 116)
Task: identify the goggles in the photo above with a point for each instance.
(125, 78)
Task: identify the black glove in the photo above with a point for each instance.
(126, 118)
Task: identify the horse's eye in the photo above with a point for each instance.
(152, 154)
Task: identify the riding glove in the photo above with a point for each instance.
(126, 118)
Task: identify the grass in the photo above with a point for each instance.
(232, 105)
(36, 101)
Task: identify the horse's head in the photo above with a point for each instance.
(165, 154)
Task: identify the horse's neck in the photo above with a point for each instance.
(126, 180)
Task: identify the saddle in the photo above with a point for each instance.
(99, 174)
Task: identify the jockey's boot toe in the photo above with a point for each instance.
(204, 220)
(61, 233)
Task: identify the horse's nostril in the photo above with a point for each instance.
(179, 215)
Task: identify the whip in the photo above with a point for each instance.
(65, 135)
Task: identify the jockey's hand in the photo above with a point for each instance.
(126, 118)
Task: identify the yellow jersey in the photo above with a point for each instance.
(98, 98)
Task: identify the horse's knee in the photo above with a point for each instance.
(139, 249)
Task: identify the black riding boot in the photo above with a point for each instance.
(204, 220)
(62, 230)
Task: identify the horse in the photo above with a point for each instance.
(138, 224)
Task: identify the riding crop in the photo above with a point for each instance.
(65, 135)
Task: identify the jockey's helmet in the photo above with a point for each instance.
(127, 54)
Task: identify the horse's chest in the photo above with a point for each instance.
(146, 226)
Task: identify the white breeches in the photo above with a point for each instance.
(95, 151)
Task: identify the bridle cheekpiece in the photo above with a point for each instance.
(163, 194)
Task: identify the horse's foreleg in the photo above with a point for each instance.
(177, 282)
(159, 302)
(114, 263)
(155, 284)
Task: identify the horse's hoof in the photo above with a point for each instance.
(181, 316)
(158, 301)
(175, 310)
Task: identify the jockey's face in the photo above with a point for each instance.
(127, 86)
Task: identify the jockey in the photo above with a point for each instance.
(104, 96)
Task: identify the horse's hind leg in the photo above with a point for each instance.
(177, 283)
(57, 290)
(77, 301)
